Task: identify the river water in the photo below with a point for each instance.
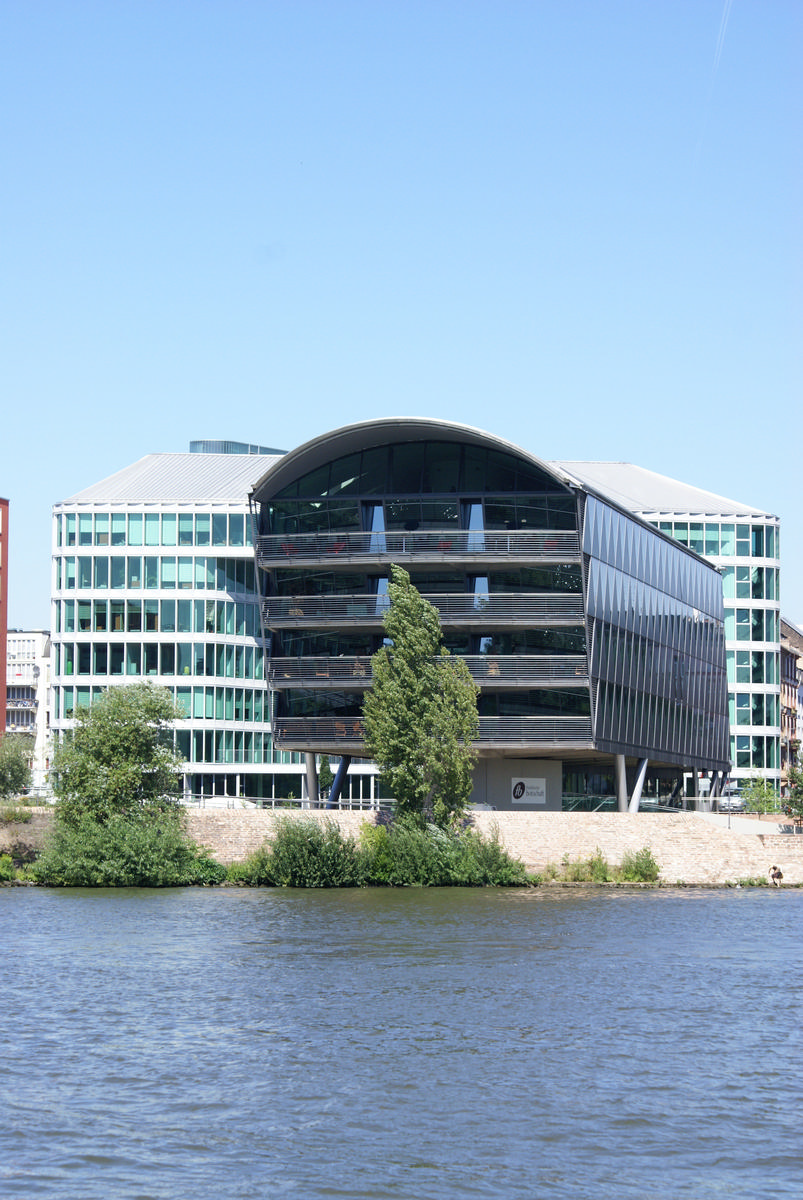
(402, 1045)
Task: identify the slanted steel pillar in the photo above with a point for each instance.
(340, 778)
(621, 782)
(641, 775)
(312, 780)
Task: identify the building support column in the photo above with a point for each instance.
(340, 778)
(638, 788)
(621, 782)
(312, 780)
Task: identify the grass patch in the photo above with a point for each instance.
(637, 866)
(14, 813)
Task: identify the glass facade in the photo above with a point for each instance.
(747, 555)
(587, 633)
(168, 594)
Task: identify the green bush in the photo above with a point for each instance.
(7, 869)
(125, 851)
(309, 854)
(305, 853)
(639, 866)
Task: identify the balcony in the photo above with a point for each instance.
(530, 735)
(486, 612)
(418, 546)
(491, 672)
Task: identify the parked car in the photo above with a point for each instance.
(731, 803)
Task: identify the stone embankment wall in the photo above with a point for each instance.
(687, 847)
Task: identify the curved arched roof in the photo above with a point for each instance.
(366, 434)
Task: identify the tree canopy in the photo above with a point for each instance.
(119, 758)
(421, 713)
(15, 773)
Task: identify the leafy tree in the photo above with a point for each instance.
(15, 773)
(793, 801)
(119, 758)
(326, 776)
(421, 713)
(759, 795)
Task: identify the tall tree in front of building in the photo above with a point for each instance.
(421, 713)
(15, 771)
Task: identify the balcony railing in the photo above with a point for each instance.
(489, 671)
(525, 733)
(434, 545)
(490, 610)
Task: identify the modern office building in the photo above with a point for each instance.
(28, 697)
(3, 606)
(597, 640)
(153, 579)
(743, 543)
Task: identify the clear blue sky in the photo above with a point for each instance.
(573, 223)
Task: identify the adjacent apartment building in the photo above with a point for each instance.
(28, 698)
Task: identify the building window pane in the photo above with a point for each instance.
(69, 617)
(101, 616)
(743, 624)
(203, 524)
(185, 572)
(134, 572)
(726, 540)
(151, 529)
(742, 709)
(219, 529)
(118, 529)
(101, 658)
(743, 541)
(728, 583)
(758, 541)
(101, 529)
(757, 625)
(101, 572)
(69, 529)
(168, 612)
(711, 539)
(185, 529)
(184, 622)
(118, 571)
(116, 652)
(151, 572)
(236, 529)
(151, 657)
(117, 615)
(151, 616)
(168, 529)
(85, 529)
(168, 572)
(168, 653)
(135, 529)
(743, 583)
(134, 614)
(84, 616)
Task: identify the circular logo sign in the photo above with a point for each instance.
(518, 790)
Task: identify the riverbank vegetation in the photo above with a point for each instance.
(310, 854)
(118, 819)
(637, 866)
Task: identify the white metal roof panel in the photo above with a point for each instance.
(188, 478)
(650, 494)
